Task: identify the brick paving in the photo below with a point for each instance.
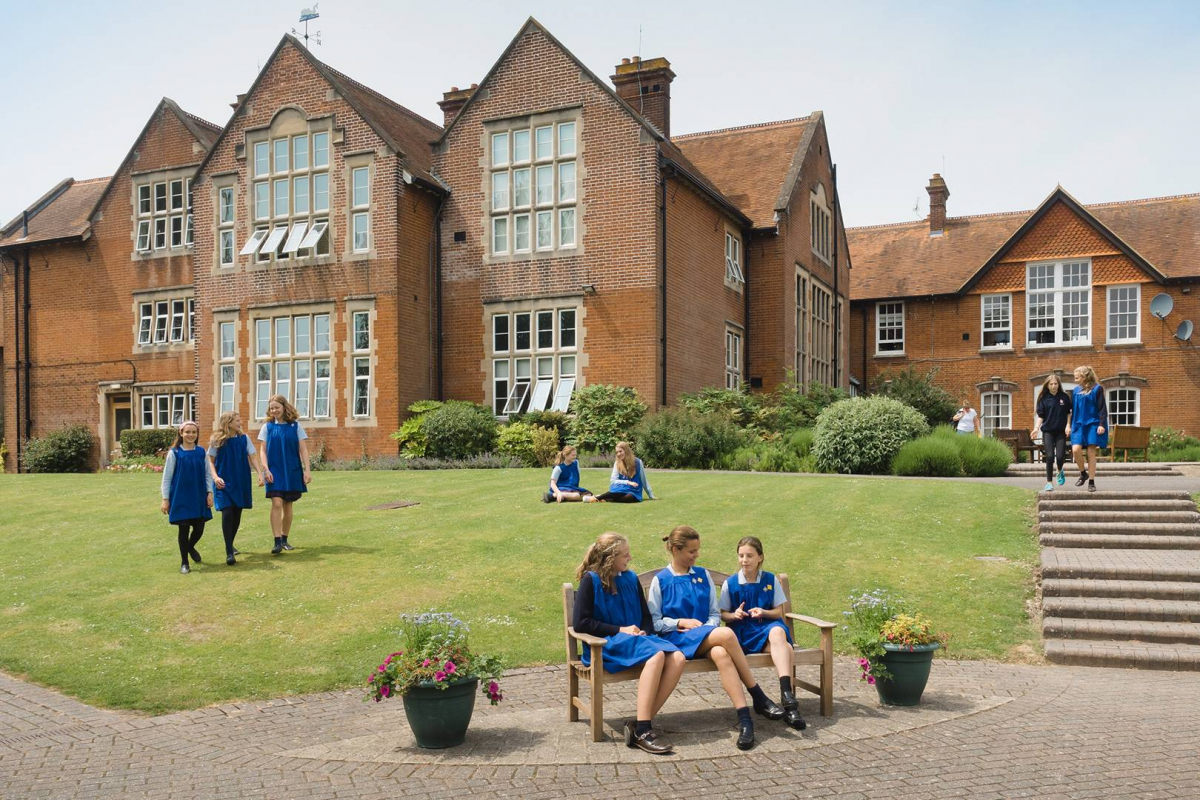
(989, 731)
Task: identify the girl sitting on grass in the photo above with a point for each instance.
(187, 491)
(628, 480)
(564, 480)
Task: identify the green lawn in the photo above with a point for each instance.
(93, 603)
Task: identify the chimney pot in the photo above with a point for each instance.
(453, 101)
(624, 60)
(632, 76)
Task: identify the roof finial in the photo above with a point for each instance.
(305, 15)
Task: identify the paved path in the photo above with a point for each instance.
(988, 731)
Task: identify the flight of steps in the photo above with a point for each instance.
(1109, 469)
(1121, 579)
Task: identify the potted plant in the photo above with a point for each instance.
(437, 674)
(895, 647)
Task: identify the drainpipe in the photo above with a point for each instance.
(16, 428)
(28, 385)
(837, 298)
(746, 308)
(437, 228)
(662, 210)
(866, 329)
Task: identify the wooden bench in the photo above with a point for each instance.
(595, 676)
(1019, 440)
(1130, 437)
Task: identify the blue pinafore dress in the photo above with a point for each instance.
(752, 633)
(1085, 418)
(233, 466)
(283, 458)
(189, 486)
(623, 650)
(568, 481)
(686, 597)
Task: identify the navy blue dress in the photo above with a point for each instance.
(752, 633)
(686, 597)
(233, 466)
(568, 478)
(283, 458)
(189, 486)
(623, 650)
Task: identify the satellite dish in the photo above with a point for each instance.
(1184, 331)
(1161, 306)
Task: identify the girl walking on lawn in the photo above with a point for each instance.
(752, 604)
(1054, 421)
(230, 455)
(1089, 424)
(284, 455)
(628, 479)
(564, 480)
(610, 603)
(686, 609)
(187, 491)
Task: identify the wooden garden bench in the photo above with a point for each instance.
(595, 676)
(1130, 437)
(1019, 440)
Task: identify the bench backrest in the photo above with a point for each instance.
(1024, 438)
(1130, 437)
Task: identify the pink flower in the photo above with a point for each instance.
(439, 676)
(425, 663)
(381, 666)
(871, 679)
(372, 678)
(493, 687)
(862, 662)
(450, 668)
(385, 690)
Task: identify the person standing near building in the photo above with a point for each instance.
(187, 491)
(230, 456)
(284, 456)
(1089, 425)
(966, 421)
(1054, 421)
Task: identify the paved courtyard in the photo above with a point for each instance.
(985, 731)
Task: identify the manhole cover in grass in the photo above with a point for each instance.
(396, 504)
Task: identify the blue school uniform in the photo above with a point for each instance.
(567, 478)
(675, 597)
(766, 594)
(1089, 411)
(283, 458)
(189, 486)
(638, 477)
(233, 465)
(623, 650)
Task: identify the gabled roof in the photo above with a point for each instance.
(405, 131)
(1160, 234)
(755, 166)
(62, 213)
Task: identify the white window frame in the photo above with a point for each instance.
(1110, 312)
(734, 276)
(889, 318)
(360, 210)
(166, 320)
(1114, 402)
(526, 214)
(733, 359)
(162, 409)
(281, 164)
(164, 212)
(1058, 290)
(145, 323)
(361, 373)
(803, 328)
(541, 372)
(1003, 401)
(821, 352)
(276, 342)
(993, 325)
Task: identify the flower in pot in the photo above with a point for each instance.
(895, 647)
(437, 674)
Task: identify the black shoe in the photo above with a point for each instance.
(185, 569)
(630, 727)
(237, 552)
(1083, 476)
(277, 549)
(791, 712)
(548, 497)
(230, 560)
(650, 742)
(195, 556)
(1091, 486)
(745, 738)
(288, 547)
(770, 709)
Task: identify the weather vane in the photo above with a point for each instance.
(305, 15)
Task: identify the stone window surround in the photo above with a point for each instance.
(167, 293)
(152, 177)
(352, 161)
(257, 312)
(818, 199)
(160, 388)
(354, 304)
(739, 333)
(239, 356)
(531, 305)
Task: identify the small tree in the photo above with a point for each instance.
(918, 389)
(63, 450)
(604, 415)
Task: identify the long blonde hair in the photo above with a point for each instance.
(561, 456)
(626, 466)
(600, 558)
(1089, 378)
(224, 431)
(290, 414)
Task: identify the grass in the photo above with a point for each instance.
(92, 602)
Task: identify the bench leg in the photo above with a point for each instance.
(826, 673)
(572, 693)
(597, 720)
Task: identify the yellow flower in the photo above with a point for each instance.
(768, 588)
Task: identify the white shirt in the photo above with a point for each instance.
(778, 598)
(300, 434)
(967, 421)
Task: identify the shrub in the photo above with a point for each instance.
(983, 458)
(595, 460)
(458, 429)
(516, 441)
(1184, 453)
(385, 463)
(63, 450)
(864, 434)
(739, 407)
(604, 415)
(559, 422)
(546, 444)
(682, 439)
(411, 437)
(1170, 439)
(145, 442)
(767, 457)
(788, 407)
(919, 391)
(929, 456)
(800, 441)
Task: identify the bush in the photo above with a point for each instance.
(546, 445)
(557, 421)
(982, 458)
(411, 437)
(63, 450)
(145, 442)
(789, 408)
(739, 407)
(1184, 453)
(1170, 439)
(384, 463)
(864, 434)
(677, 438)
(766, 457)
(800, 441)
(919, 391)
(929, 456)
(516, 441)
(604, 415)
(458, 429)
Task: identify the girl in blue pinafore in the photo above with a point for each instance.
(1089, 424)
(230, 455)
(610, 603)
(628, 480)
(684, 604)
(752, 604)
(284, 457)
(187, 491)
(564, 480)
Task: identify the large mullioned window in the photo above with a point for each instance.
(1058, 303)
(164, 215)
(534, 188)
(534, 359)
(290, 197)
(166, 321)
(292, 357)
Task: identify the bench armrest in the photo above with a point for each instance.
(819, 623)
(587, 639)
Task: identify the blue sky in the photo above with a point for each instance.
(1006, 100)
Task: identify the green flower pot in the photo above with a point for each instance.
(439, 717)
(910, 673)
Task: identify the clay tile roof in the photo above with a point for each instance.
(751, 165)
(62, 213)
(903, 260)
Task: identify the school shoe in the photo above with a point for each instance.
(288, 547)
(195, 556)
(769, 709)
(277, 549)
(1091, 486)
(185, 569)
(745, 738)
(230, 560)
(630, 728)
(650, 742)
(548, 497)
(1083, 476)
(1062, 477)
(237, 552)
(791, 712)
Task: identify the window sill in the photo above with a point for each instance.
(987, 350)
(163, 347)
(735, 286)
(892, 354)
(1042, 348)
(1122, 345)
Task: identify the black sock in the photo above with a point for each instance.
(760, 697)
(278, 541)
(785, 685)
(744, 717)
(285, 540)
(643, 727)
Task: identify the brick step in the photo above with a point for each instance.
(1122, 528)
(1138, 655)
(1090, 587)
(1140, 471)
(1073, 494)
(1122, 608)
(1121, 630)
(1138, 516)
(1054, 505)
(1121, 564)
(1104, 466)
(1113, 541)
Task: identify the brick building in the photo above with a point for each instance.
(357, 257)
(997, 302)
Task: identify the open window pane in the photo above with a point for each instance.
(273, 240)
(541, 395)
(295, 237)
(314, 236)
(562, 397)
(253, 243)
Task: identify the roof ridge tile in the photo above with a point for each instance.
(739, 128)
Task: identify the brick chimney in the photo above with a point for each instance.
(646, 85)
(453, 101)
(938, 192)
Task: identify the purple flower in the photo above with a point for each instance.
(381, 667)
(425, 663)
(372, 678)
(385, 690)
(450, 668)
(439, 676)
(493, 687)
(871, 679)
